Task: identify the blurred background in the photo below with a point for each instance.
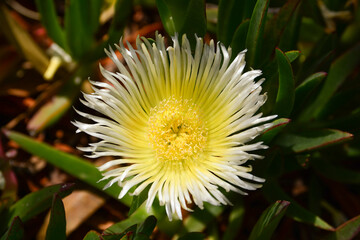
(309, 52)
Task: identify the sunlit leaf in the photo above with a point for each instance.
(286, 93)
(15, 231)
(73, 165)
(269, 220)
(312, 140)
(23, 41)
(57, 224)
(273, 192)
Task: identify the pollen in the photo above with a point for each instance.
(176, 131)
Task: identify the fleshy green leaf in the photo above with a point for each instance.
(255, 32)
(347, 231)
(138, 200)
(239, 40)
(50, 21)
(35, 203)
(15, 231)
(183, 17)
(303, 91)
(73, 165)
(235, 220)
(292, 55)
(276, 27)
(272, 192)
(57, 224)
(286, 93)
(230, 14)
(146, 228)
(192, 236)
(312, 140)
(92, 235)
(339, 70)
(272, 132)
(137, 217)
(335, 172)
(269, 220)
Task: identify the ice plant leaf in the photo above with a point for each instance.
(312, 140)
(92, 235)
(15, 231)
(347, 231)
(292, 55)
(269, 220)
(57, 224)
(50, 21)
(71, 164)
(36, 202)
(239, 39)
(273, 191)
(192, 236)
(146, 228)
(286, 93)
(303, 91)
(183, 17)
(340, 69)
(177, 122)
(236, 218)
(230, 14)
(256, 31)
(270, 133)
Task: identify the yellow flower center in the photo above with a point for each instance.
(176, 130)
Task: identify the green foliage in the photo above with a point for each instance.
(57, 225)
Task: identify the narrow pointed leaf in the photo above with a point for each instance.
(183, 17)
(192, 236)
(340, 69)
(230, 14)
(138, 200)
(303, 91)
(146, 228)
(50, 21)
(73, 165)
(92, 235)
(235, 220)
(269, 220)
(57, 225)
(255, 32)
(347, 231)
(35, 203)
(286, 93)
(312, 140)
(292, 55)
(272, 132)
(272, 192)
(239, 39)
(335, 172)
(15, 231)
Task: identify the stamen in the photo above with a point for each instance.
(176, 130)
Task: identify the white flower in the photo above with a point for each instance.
(177, 122)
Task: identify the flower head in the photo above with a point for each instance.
(177, 122)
